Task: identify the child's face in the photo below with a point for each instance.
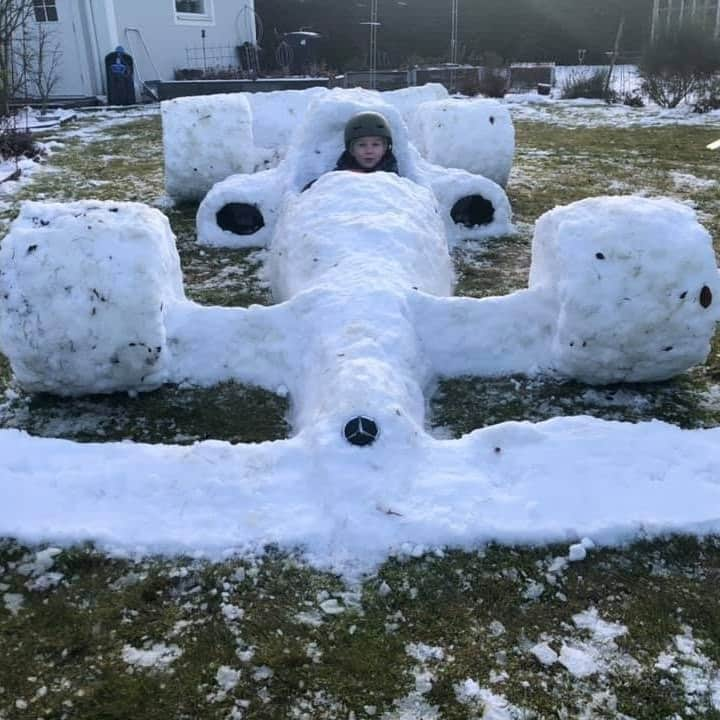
(368, 151)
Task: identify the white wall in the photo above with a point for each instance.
(87, 30)
(67, 52)
(168, 37)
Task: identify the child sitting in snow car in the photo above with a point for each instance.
(368, 146)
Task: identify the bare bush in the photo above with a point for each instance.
(16, 142)
(14, 16)
(493, 82)
(585, 84)
(42, 63)
(679, 64)
(492, 78)
(633, 99)
(708, 97)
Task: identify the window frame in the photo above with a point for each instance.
(42, 10)
(207, 17)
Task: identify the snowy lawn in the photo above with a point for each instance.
(562, 632)
(502, 634)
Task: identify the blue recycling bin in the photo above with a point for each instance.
(120, 76)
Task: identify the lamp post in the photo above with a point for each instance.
(454, 32)
(374, 24)
(453, 41)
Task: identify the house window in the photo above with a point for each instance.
(193, 11)
(45, 10)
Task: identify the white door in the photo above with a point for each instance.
(66, 40)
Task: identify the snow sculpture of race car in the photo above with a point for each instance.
(208, 138)
(243, 210)
(621, 288)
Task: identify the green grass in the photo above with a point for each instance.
(257, 613)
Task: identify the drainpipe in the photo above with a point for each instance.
(111, 20)
(95, 66)
(110, 34)
(655, 18)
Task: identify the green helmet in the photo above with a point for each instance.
(367, 124)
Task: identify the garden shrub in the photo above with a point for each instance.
(679, 64)
(16, 143)
(584, 84)
(492, 78)
(493, 82)
(490, 82)
(633, 99)
(708, 97)
(469, 85)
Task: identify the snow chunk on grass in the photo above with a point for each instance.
(159, 656)
(332, 607)
(425, 653)
(44, 582)
(41, 563)
(494, 707)
(687, 180)
(700, 676)
(232, 612)
(582, 659)
(579, 660)
(226, 678)
(544, 653)
(13, 602)
(309, 618)
(601, 630)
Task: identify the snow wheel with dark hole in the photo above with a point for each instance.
(240, 218)
(472, 210)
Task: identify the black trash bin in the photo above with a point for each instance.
(544, 88)
(120, 77)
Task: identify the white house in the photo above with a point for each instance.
(160, 35)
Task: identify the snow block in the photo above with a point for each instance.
(407, 100)
(476, 135)
(635, 284)
(205, 139)
(84, 287)
(277, 114)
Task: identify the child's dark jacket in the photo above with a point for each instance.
(388, 163)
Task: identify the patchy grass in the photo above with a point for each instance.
(266, 637)
(228, 411)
